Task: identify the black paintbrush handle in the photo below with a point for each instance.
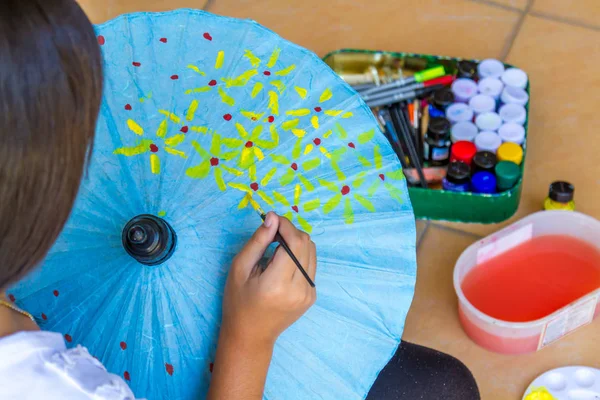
(294, 259)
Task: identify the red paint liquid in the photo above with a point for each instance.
(534, 279)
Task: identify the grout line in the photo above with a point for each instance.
(515, 32)
(563, 20)
(209, 4)
(422, 235)
(498, 5)
(455, 230)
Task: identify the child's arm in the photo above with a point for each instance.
(257, 307)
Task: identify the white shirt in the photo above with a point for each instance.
(37, 365)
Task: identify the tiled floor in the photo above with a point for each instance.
(555, 41)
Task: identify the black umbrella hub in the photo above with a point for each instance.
(149, 239)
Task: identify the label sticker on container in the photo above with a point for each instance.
(574, 317)
(497, 246)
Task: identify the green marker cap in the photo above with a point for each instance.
(430, 73)
(507, 174)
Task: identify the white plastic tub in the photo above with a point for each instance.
(516, 337)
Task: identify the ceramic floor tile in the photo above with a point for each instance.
(422, 227)
(579, 11)
(433, 322)
(100, 11)
(451, 27)
(516, 4)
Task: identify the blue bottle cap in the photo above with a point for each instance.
(483, 182)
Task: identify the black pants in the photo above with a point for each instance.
(417, 372)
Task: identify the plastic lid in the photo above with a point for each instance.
(488, 121)
(463, 131)
(466, 69)
(507, 174)
(459, 112)
(561, 191)
(513, 95)
(484, 161)
(482, 103)
(464, 89)
(510, 152)
(513, 113)
(483, 182)
(490, 68)
(430, 73)
(463, 151)
(487, 141)
(438, 128)
(442, 98)
(458, 172)
(515, 77)
(491, 87)
(511, 132)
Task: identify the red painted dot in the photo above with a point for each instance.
(254, 186)
(164, 40)
(351, 145)
(123, 345)
(318, 109)
(153, 148)
(68, 338)
(211, 366)
(253, 118)
(184, 129)
(136, 64)
(169, 369)
(294, 166)
(295, 208)
(214, 161)
(101, 40)
(128, 107)
(267, 73)
(44, 317)
(212, 83)
(207, 36)
(249, 144)
(227, 117)
(55, 293)
(11, 298)
(345, 190)
(317, 141)
(174, 77)
(126, 376)
(382, 177)
(271, 119)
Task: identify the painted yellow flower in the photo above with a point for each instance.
(255, 188)
(382, 178)
(251, 145)
(295, 167)
(212, 160)
(294, 213)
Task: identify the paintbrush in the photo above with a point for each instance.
(281, 240)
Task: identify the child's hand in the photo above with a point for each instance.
(259, 305)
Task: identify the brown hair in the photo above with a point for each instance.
(50, 94)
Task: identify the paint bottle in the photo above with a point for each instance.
(491, 87)
(507, 175)
(457, 177)
(482, 103)
(511, 132)
(513, 113)
(484, 161)
(510, 152)
(483, 182)
(513, 95)
(463, 151)
(560, 197)
(515, 77)
(488, 141)
(436, 146)
(488, 121)
(464, 89)
(467, 69)
(490, 68)
(463, 131)
(459, 112)
(440, 101)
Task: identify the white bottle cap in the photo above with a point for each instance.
(482, 103)
(491, 87)
(490, 68)
(511, 132)
(464, 89)
(513, 95)
(515, 77)
(487, 141)
(459, 112)
(463, 131)
(488, 121)
(513, 113)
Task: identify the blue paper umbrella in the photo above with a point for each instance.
(202, 115)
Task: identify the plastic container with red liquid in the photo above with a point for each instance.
(540, 299)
